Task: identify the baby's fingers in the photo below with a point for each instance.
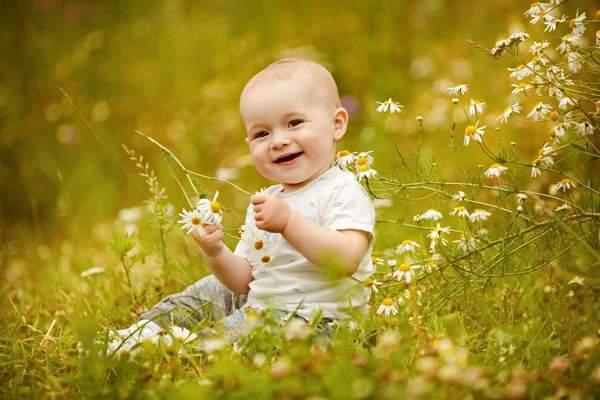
(208, 229)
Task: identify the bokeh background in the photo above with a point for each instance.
(174, 70)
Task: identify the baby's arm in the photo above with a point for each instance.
(311, 240)
(232, 270)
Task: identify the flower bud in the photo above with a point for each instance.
(455, 100)
(419, 119)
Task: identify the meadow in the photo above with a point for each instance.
(473, 127)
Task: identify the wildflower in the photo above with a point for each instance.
(459, 196)
(537, 8)
(565, 185)
(417, 218)
(407, 245)
(387, 307)
(535, 62)
(181, 335)
(344, 158)
(392, 263)
(584, 128)
(419, 118)
(521, 197)
(210, 210)
(577, 25)
(191, 220)
(437, 230)
(576, 281)
(146, 337)
(415, 320)
(377, 261)
(566, 42)
(476, 106)
(541, 110)
(435, 241)
(537, 47)
(479, 215)
(521, 87)
(556, 133)
(466, 243)
(390, 105)
(297, 329)
(563, 207)
(520, 72)
(574, 61)
(514, 109)
(473, 132)
(405, 270)
(213, 345)
(495, 170)
(458, 89)
(462, 212)
(364, 158)
(551, 23)
(432, 214)
(365, 172)
(372, 284)
(571, 293)
(123, 349)
(455, 100)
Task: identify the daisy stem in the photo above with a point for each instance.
(400, 154)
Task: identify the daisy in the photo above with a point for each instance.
(476, 106)
(181, 335)
(405, 270)
(520, 72)
(458, 89)
(125, 350)
(537, 47)
(437, 230)
(540, 111)
(495, 170)
(574, 61)
(577, 24)
(535, 62)
(584, 128)
(576, 280)
(564, 102)
(432, 214)
(563, 207)
(459, 196)
(377, 261)
(462, 212)
(521, 87)
(466, 243)
(365, 172)
(514, 109)
(566, 43)
(364, 158)
(210, 210)
(146, 337)
(479, 215)
(551, 23)
(344, 158)
(473, 132)
(537, 8)
(521, 197)
(407, 245)
(372, 284)
(387, 307)
(390, 105)
(191, 220)
(565, 185)
(435, 241)
(535, 171)
(556, 133)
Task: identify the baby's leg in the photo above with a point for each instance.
(207, 298)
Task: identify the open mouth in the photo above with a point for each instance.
(289, 157)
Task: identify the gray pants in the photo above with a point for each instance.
(207, 298)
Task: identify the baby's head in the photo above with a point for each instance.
(293, 118)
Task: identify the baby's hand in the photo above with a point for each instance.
(210, 243)
(270, 213)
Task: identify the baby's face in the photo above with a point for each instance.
(291, 130)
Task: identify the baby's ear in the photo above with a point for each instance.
(247, 142)
(340, 123)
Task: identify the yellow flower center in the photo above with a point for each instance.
(537, 3)
(265, 259)
(464, 237)
(124, 353)
(494, 166)
(565, 181)
(475, 102)
(180, 340)
(215, 207)
(534, 59)
(477, 210)
(460, 208)
(364, 168)
(362, 161)
(521, 86)
(259, 244)
(404, 267)
(369, 283)
(374, 260)
(553, 116)
(407, 241)
(566, 37)
(344, 153)
(507, 108)
(534, 162)
(196, 221)
(541, 151)
(387, 302)
(566, 56)
(520, 67)
(551, 133)
(469, 130)
(572, 23)
(555, 21)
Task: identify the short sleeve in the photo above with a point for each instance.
(349, 207)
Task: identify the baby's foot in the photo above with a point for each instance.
(138, 326)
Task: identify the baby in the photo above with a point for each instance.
(293, 230)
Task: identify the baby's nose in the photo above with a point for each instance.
(280, 140)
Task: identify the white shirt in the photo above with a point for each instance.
(283, 277)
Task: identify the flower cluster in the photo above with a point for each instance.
(359, 164)
(207, 212)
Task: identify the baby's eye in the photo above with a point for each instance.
(261, 134)
(294, 123)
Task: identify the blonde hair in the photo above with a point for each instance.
(290, 68)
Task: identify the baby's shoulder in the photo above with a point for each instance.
(341, 183)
